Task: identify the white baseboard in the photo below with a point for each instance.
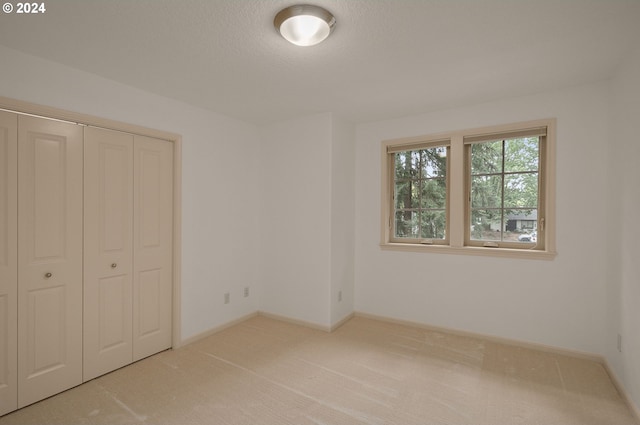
(215, 330)
(621, 389)
(239, 320)
(293, 321)
(342, 321)
(491, 338)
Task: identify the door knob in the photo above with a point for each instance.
(114, 265)
(48, 275)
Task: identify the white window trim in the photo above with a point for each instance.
(457, 194)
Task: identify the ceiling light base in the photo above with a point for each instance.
(304, 25)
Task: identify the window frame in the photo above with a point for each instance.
(458, 187)
(541, 133)
(415, 147)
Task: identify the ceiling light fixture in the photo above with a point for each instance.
(304, 24)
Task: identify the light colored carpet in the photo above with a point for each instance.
(264, 371)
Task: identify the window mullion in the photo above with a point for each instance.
(459, 183)
(504, 184)
(456, 189)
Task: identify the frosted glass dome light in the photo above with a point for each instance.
(304, 25)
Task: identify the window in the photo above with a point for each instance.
(486, 191)
(420, 194)
(504, 183)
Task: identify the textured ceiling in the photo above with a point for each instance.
(386, 58)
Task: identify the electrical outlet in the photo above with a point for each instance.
(227, 298)
(246, 291)
(620, 343)
(339, 296)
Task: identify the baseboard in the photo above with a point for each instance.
(621, 389)
(311, 325)
(325, 328)
(491, 338)
(215, 330)
(287, 319)
(239, 320)
(341, 322)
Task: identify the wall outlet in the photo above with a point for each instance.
(339, 296)
(227, 298)
(620, 343)
(246, 291)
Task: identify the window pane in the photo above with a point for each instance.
(521, 154)
(407, 224)
(433, 193)
(433, 224)
(486, 192)
(434, 162)
(486, 225)
(407, 165)
(420, 186)
(521, 190)
(521, 225)
(504, 202)
(407, 194)
(486, 158)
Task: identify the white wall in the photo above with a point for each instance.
(219, 191)
(307, 219)
(295, 219)
(623, 299)
(559, 302)
(342, 220)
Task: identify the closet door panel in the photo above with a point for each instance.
(108, 244)
(153, 241)
(49, 257)
(8, 262)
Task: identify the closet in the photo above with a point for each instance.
(128, 250)
(86, 253)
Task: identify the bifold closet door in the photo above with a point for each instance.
(128, 240)
(49, 257)
(8, 262)
(108, 255)
(152, 246)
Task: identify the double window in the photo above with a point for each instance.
(472, 191)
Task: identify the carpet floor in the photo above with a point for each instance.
(264, 371)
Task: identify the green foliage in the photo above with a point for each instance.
(421, 193)
(504, 182)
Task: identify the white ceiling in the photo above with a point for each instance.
(385, 59)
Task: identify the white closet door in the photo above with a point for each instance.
(108, 255)
(152, 246)
(8, 262)
(49, 257)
